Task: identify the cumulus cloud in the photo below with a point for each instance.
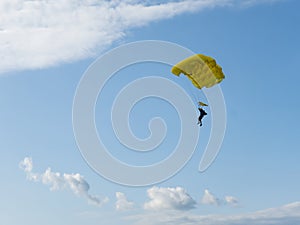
(122, 204)
(288, 215)
(169, 198)
(231, 200)
(27, 165)
(41, 33)
(210, 199)
(57, 181)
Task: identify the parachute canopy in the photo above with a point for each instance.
(202, 70)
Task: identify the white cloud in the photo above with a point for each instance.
(209, 199)
(27, 165)
(249, 3)
(288, 215)
(169, 198)
(122, 203)
(74, 182)
(41, 33)
(231, 200)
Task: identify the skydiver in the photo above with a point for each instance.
(202, 114)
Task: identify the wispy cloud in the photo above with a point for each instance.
(122, 204)
(57, 181)
(39, 34)
(169, 198)
(249, 3)
(288, 215)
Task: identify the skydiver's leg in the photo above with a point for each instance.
(200, 120)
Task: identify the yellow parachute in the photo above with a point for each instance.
(202, 70)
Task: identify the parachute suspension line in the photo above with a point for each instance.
(195, 93)
(191, 89)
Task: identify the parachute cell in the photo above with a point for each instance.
(202, 70)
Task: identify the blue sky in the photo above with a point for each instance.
(46, 48)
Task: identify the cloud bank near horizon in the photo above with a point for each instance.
(41, 34)
(288, 215)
